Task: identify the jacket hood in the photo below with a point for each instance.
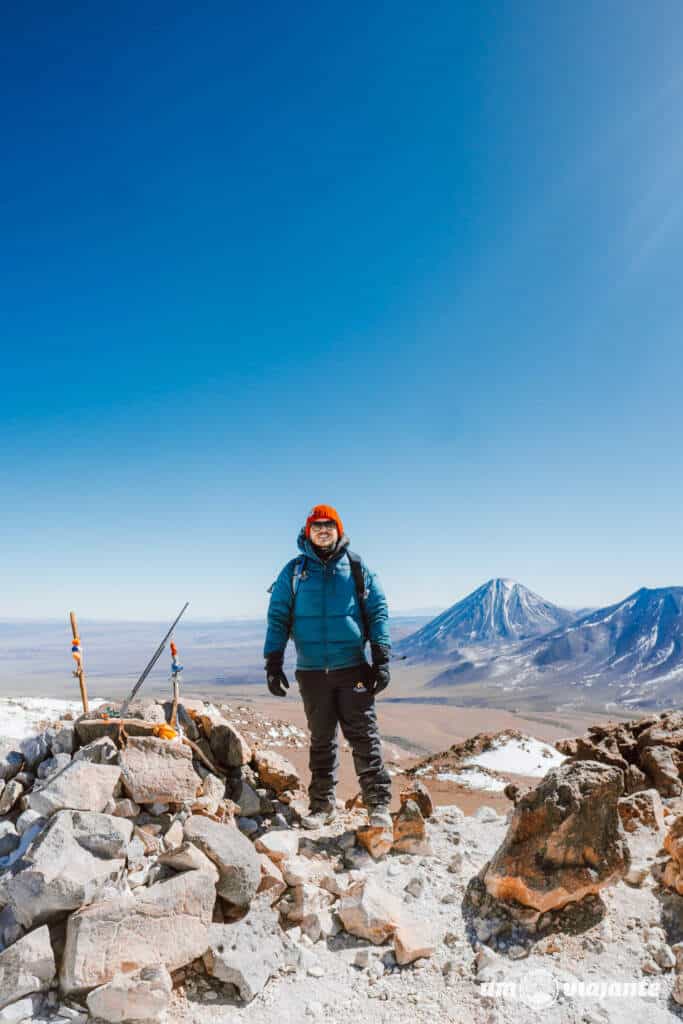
(304, 544)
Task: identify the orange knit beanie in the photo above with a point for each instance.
(323, 512)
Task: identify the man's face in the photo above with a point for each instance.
(324, 533)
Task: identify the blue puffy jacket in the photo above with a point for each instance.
(325, 616)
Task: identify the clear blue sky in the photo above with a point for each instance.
(422, 262)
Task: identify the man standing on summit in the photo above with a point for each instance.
(331, 605)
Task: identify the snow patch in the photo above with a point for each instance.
(473, 778)
(525, 756)
(23, 717)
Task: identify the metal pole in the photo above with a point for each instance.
(153, 660)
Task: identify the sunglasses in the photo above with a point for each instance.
(324, 525)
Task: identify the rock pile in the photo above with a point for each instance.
(648, 751)
(132, 857)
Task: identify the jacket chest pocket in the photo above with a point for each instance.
(309, 597)
(342, 591)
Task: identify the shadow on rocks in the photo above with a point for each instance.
(511, 928)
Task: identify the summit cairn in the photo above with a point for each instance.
(648, 751)
(129, 867)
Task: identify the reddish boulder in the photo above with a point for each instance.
(565, 840)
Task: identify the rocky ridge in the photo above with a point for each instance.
(147, 876)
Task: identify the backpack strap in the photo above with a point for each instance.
(362, 593)
(298, 573)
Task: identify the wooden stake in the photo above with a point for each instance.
(80, 672)
(202, 757)
(176, 696)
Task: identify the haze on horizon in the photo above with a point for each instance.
(422, 265)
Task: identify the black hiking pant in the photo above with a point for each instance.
(335, 698)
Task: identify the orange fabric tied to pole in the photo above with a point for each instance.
(165, 732)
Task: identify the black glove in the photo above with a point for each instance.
(275, 676)
(380, 676)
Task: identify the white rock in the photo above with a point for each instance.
(100, 751)
(27, 1009)
(158, 771)
(62, 739)
(53, 765)
(415, 887)
(665, 957)
(369, 911)
(166, 923)
(376, 969)
(188, 857)
(82, 786)
(298, 870)
(27, 966)
(213, 788)
(637, 874)
(67, 866)
(124, 808)
(174, 836)
(35, 749)
(246, 954)
(319, 925)
(11, 793)
(487, 961)
(232, 853)
(135, 854)
(69, 1013)
(306, 900)
(486, 814)
(142, 995)
(413, 941)
(279, 844)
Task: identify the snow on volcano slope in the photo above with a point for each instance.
(629, 653)
(501, 611)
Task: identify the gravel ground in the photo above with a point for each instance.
(446, 987)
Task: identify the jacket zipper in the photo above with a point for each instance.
(325, 615)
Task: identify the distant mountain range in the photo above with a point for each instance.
(505, 638)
